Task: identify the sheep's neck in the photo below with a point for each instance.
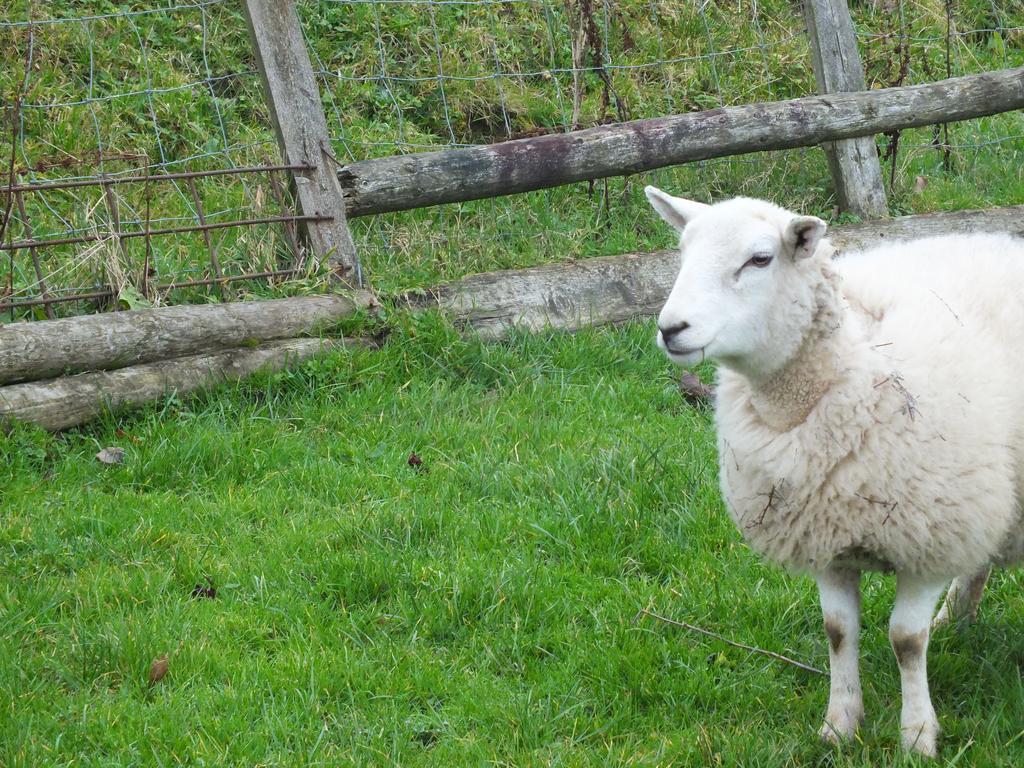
(785, 399)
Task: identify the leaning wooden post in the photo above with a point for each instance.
(294, 100)
(837, 67)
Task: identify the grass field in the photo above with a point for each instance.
(322, 601)
(478, 609)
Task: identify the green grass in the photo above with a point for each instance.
(482, 608)
(477, 610)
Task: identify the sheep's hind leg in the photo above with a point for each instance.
(962, 598)
(908, 632)
(839, 591)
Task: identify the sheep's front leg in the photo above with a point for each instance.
(839, 591)
(963, 598)
(908, 631)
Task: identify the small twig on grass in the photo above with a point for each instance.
(948, 307)
(890, 506)
(727, 641)
(910, 406)
(770, 505)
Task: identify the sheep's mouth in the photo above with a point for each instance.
(684, 351)
(685, 356)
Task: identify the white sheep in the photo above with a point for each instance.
(870, 416)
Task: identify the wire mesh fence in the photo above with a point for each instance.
(124, 128)
(412, 75)
(907, 44)
(426, 74)
(148, 90)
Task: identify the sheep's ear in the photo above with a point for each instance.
(803, 233)
(675, 210)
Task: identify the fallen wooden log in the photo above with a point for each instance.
(614, 289)
(565, 296)
(48, 348)
(864, 235)
(401, 182)
(72, 400)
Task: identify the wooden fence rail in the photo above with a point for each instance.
(293, 97)
(402, 182)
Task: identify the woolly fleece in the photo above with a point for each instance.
(893, 438)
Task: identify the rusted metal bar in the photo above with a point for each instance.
(26, 227)
(42, 186)
(214, 262)
(107, 293)
(12, 305)
(167, 231)
(230, 279)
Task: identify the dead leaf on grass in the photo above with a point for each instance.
(111, 455)
(158, 669)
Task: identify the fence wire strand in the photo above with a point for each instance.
(172, 88)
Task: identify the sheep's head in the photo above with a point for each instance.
(745, 294)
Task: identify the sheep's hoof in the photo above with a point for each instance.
(836, 730)
(957, 615)
(922, 738)
(830, 735)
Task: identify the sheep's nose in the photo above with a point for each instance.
(669, 331)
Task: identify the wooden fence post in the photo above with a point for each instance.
(856, 171)
(295, 107)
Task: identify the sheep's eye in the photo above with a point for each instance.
(760, 260)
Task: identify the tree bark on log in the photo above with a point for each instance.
(72, 400)
(48, 348)
(401, 182)
(614, 289)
